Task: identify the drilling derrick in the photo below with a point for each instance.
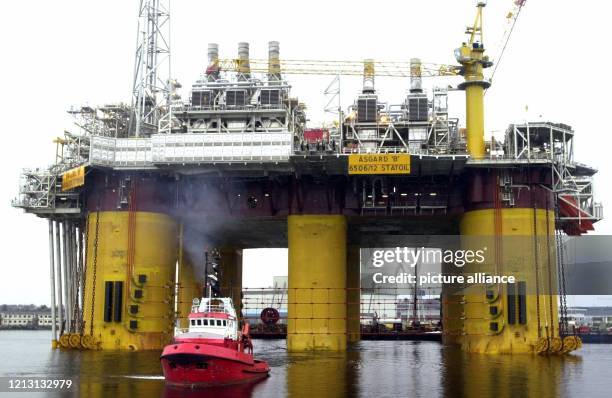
(151, 92)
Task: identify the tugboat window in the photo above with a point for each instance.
(218, 322)
(199, 322)
(224, 323)
(205, 322)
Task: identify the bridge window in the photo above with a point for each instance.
(224, 322)
(193, 322)
(199, 322)
(218, 322)
(205, 322)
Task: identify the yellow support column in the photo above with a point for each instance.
(130, 313)
(230, 278)
(317, 283)
(524, 255)
(452, 314)
(353, 294)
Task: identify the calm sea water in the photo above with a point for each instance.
(368, 369)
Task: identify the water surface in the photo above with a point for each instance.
(369, 369)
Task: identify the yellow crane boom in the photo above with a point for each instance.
(334, 67)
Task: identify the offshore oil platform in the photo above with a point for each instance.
(135, 199)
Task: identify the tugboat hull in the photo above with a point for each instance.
(201, 365)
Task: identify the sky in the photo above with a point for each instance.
(74, 52)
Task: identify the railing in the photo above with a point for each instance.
(381, 310)
(191, 148)
(225, 108)
(210, 308)
(222, 147)
(394, 150)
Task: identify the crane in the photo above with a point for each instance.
(334, 67)
(471, 56)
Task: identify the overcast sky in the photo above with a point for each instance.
(72, 52)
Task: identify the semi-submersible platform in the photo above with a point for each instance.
(147, 186)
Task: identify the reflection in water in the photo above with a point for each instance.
(467, 375)
(123, 374)
(367, 369)
(237, 391)
(325, 374)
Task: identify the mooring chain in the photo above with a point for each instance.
(549, 269)
(535, 252)
(561, 271)
(83, 255)
(560, 282)
(95, 263)
(563, 287)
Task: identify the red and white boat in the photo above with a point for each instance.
(211, 352)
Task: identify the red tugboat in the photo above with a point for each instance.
(211, 352)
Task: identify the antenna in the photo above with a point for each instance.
(211, 274)
(151, 92)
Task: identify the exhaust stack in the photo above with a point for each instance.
(274, 68)
(416, 83)
(368, 76)
(212, 70)
(244, 65)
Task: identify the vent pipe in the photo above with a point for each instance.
(274, 68)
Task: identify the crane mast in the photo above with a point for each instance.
(473, 62)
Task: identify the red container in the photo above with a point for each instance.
(316, 135)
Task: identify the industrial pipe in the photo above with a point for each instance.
(81, 240)
(58, 253)
(71, 275)
(74, 285)
(66, 275)
(52, 278)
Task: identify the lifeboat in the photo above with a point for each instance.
(580, 223)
